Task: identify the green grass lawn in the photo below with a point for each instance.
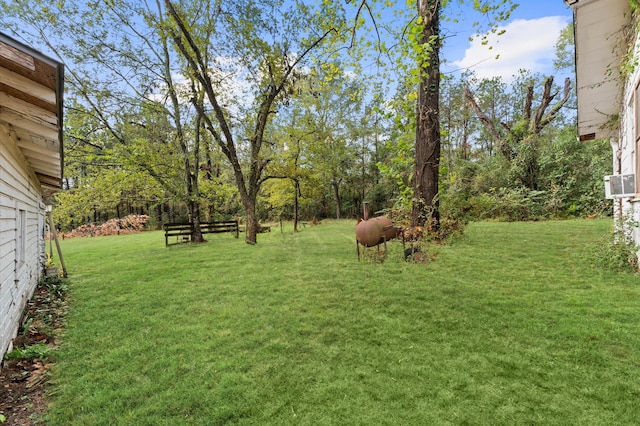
(509, 325)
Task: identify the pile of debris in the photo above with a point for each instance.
(130, 224)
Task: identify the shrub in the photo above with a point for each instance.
(509, 204)
(617, 251)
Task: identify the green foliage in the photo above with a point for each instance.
(279, 195)
(568, 174)
(56, 286)
(617, 251)
(630, 59)
(132, 141)
(38, 351)
(572, 173)
(398, 168)
(130, 114)
(104, 191)
(221, 194)
(549, 175)
(328, 140)
(565, 50)
(524, 168)
(509, 204)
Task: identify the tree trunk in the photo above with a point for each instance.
(194, 213)
(336, 197)
(466, 150)
(251, 227)
(193, 191)
(296, 189)
(210, 210)
(160, 219)
(362, 183)
(426, 206)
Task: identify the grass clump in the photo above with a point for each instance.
(31, 352)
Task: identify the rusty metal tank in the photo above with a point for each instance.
(369, 233)
(375, 231)
(389, 230)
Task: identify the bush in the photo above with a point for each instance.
(508, 205)
(617, 252)
(566, 174)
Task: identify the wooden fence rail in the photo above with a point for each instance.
(182, 231)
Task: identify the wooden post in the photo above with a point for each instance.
(52, 229)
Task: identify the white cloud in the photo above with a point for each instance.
(526, 44)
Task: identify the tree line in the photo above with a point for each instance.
(201, 110)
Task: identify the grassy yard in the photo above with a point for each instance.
(510, 325)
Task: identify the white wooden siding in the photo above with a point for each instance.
(600, 43)
(18, 191)
(629, 208)
(30, 168)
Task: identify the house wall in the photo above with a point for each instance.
(22, 245)
(608, 94)
(626, 151)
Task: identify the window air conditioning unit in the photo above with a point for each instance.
(620, 186)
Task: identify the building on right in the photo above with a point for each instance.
(607, 58)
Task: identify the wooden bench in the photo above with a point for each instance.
(183, 230)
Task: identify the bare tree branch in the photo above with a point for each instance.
(547, 98)
(528, 102)
(556, 108)
(484, 119)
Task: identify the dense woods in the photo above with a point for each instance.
(189, 111)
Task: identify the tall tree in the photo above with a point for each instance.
(426, 205)
(288, 164)
(333, 106)
(271, 43)
(494, 97)
(518, 141)
(121, 69)
(427, 41)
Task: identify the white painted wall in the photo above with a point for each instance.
(22, 245)
(625, 149)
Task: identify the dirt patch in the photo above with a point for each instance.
(24, 372)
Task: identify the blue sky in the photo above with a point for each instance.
(531, 34)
